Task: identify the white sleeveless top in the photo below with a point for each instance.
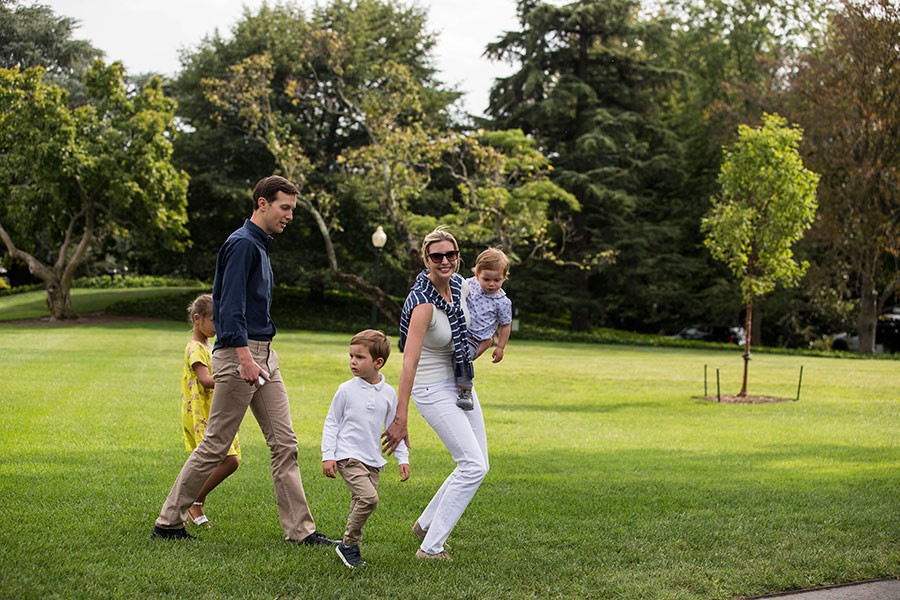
(436, 360)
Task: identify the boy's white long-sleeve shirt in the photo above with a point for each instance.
(358, 414)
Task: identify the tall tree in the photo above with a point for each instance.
(310, 75)
(70, 176)
(587, 93)
(33, 36)
(736, 58)
(767, 202)
(847, 96)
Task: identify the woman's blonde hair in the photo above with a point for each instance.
(201, 305)
(440, 234)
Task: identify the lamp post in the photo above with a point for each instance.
(379, 239)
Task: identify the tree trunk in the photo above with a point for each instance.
(59, 292)
(580, 312)
(324, 231)
(59, 301)
(868, 317)
(748, 328)
(757, 325)
(386, 305)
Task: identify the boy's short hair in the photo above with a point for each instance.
(492, 259)
(376, 341)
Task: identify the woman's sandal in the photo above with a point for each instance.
(201, 520)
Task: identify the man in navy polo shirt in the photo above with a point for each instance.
(245, 368)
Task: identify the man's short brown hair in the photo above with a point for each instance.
(268, 188)
(378, 344)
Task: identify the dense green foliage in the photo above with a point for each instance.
(847, 97)
(590, 97)
(609, 478)
(593, 170)
(73, 179)
(298, 108)
(33, 36)
(767, 203)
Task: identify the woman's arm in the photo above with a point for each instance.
(412, 351)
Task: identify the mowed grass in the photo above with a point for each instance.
(609, 478)
(33, 305)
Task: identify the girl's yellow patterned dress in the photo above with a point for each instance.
(196, 399)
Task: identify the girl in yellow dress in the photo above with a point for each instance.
(197, 386)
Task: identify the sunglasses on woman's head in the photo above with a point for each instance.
(438, 257)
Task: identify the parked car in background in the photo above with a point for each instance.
(713, 333)
(887, 335)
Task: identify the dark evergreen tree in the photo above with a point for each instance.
(590, 94)
(33, 36)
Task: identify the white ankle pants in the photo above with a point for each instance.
(463, 433)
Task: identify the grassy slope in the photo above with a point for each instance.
(33, 305)
(609, 478)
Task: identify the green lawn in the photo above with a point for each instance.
(33, 305)
(609, 477)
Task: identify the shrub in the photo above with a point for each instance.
(135, 281)
(167, 306)
(292, 308)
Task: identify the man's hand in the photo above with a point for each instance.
(393, 435)
(329, 468)
(498, 354)
(404, 472)
(248, 369)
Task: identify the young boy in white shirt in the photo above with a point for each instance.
(351, 439)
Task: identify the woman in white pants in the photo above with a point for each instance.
(433, 339)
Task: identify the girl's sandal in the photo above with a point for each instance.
(202, 519)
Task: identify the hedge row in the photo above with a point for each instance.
(292, 308)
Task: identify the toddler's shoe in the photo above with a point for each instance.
(350, 555)
(464, 400)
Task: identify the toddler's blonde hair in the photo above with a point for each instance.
(492, 259)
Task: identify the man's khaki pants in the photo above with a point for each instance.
(269, 404)
(363, 483)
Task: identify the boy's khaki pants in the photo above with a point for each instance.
(269, 404)
(363, 483)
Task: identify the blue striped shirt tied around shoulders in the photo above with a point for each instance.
(424, 292)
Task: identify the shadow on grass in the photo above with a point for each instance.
(573, 408)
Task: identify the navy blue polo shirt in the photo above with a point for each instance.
(242, 289)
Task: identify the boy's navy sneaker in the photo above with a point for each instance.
(316, 539)
(350, 555)
(170, 534)
(464, 400)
